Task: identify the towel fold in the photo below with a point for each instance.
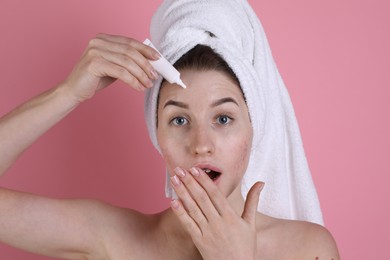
(232, 29)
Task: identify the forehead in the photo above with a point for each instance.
(201, 85)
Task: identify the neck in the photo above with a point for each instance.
(176, 238)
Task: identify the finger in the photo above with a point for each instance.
(198, 194)
(104, 68)
(129, 64)
(187, 222)
(251, 203)
(143, 63)
(189, 204)
(147, 51)
(127, 53)
(217, 198)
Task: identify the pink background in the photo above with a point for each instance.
(333, 56)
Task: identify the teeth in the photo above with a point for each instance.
(207, 170)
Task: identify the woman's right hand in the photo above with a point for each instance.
(108, 58)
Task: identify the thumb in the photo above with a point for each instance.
(252, 200)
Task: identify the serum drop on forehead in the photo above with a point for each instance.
(165, 69)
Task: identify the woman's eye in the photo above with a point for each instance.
(223, 119)
(179, 121)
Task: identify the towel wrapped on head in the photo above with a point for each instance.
(232, 29)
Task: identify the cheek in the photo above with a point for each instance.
(241, 156)
(170, 153)
(245, 150)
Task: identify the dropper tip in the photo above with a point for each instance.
(181, 84)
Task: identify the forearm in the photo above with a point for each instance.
(26, 123)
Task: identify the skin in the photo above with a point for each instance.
(198, 129)
(209, 221)
(201, 130)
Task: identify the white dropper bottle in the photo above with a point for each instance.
(165, 68)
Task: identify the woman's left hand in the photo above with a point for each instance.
(216, 229)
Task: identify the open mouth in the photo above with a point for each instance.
(212, 174)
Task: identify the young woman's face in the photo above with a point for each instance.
(206, 125)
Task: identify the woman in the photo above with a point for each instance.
(196, 134)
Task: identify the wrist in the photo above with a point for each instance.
(65, 92)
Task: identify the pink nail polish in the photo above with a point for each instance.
(175, 181)
(194, 172)
(175, 204)
(261, 187)
(154, 74)
(156, 55)
(149, 84)
(179, 172)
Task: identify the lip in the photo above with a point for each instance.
(211, 167)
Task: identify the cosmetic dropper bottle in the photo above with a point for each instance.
(165, 68)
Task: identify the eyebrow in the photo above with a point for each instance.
(214, 104)
(175, 103)
(223, 101)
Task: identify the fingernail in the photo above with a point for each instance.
(261, 186)
(175, 204)
(194, 172)
(175, 181)
(179, 172)
(156, 55)
(140, 87)
(150, 84)
(154, 74)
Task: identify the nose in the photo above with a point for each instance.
(202, 142)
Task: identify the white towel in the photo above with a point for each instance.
(232, 29)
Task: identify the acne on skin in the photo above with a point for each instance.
(203, 137)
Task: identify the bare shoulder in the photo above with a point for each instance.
(122, 227)
(298, 239)
(118, 216)
(317, 241)
(124, 233)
